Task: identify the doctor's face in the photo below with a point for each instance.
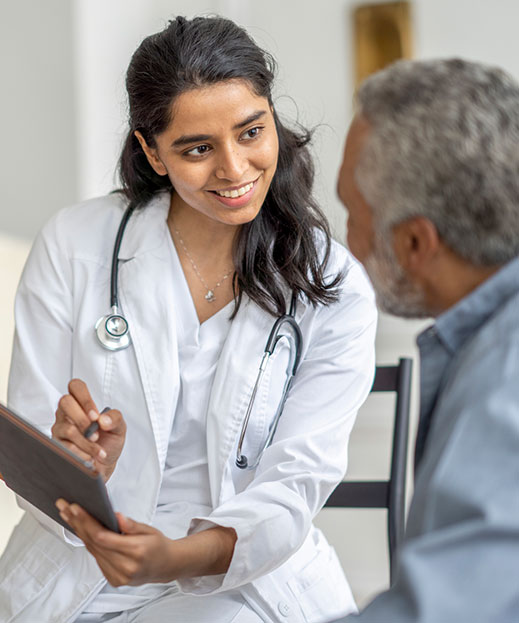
(220, 151)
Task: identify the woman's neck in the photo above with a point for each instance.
(205, 238)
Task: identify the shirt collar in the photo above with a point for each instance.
(459, 322)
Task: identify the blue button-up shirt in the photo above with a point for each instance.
(460, 559)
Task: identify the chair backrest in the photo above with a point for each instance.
(390, 493)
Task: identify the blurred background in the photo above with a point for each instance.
(63, 112)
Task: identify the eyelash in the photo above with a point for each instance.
(189, 153)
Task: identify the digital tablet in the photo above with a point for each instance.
(41, 470)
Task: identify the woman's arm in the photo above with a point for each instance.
(142, 554)
(273, 515)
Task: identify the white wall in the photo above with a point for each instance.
(13, 253)
(38, 169)
(70, 142)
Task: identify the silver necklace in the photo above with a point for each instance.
(209, 296)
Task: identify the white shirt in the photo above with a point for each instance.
(184, 491)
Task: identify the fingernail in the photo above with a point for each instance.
(93, 437)
(61, 505)
(93, 415)
(105, 420)
(101, 454)
(74, 510)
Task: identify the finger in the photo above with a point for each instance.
(130, 526)
(79, 390)
(67, 432)
(112, 421)
(83, 524)
(84, 456)
(118, 568)
(69, 410)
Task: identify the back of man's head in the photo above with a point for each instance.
(444, 144)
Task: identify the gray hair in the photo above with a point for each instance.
(444, 144)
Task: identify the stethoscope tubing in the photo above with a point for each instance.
(114, 273)
(119, 338)
(295, 356)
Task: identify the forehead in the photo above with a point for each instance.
(355, 142)
(212, 107)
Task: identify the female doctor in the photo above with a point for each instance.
(222, 238)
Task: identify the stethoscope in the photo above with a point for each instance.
(113, 334)
(112, 330)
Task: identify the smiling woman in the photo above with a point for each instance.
(216, 233)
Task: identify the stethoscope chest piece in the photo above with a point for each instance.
(112, 331)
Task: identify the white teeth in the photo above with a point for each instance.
(236, 192)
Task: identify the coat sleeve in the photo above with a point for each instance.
(308, 457)
(41, 359)
(465, 565)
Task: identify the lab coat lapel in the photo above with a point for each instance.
(232, 387)
(233, 383)
(147, 299)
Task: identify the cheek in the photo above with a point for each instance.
(266, 157)
(358, 243)
(187, 179)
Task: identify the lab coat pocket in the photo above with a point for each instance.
(321, 590)
(29, 563)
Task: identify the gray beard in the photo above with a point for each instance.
(396, 294)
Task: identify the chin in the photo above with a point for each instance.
(241, 216)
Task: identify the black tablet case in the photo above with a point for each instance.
(42, 470)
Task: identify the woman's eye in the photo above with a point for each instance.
(253, 132)
(199, 150)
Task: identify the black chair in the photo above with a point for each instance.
(389, 494)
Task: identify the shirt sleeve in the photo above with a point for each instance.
(308, 457)
(41, 359)
(465, 564)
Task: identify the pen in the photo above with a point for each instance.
(94, 426)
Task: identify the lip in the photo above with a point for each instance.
(236, 202)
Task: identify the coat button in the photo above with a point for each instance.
(284, 608)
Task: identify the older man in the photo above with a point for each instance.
(430, 179)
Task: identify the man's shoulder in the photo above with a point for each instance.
(489, 361)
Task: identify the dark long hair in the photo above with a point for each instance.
(282, 248)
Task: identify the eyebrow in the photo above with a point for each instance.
(187, 139)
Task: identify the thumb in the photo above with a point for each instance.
(129, 526)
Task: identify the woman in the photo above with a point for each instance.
(224, 237)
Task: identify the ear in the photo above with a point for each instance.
(151, 154)
(417, 245)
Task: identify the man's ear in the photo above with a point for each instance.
(151, 154)
(417, 245)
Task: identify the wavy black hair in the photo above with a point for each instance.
(282, 247)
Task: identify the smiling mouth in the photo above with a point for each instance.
(235, 192)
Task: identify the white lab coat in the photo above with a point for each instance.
(283, 566)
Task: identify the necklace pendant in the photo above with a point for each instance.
(210, 297)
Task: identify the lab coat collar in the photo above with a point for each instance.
(146, 229)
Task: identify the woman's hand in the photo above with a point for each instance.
(143, 554)
(76, 411)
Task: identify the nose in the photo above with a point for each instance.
(232, 163)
